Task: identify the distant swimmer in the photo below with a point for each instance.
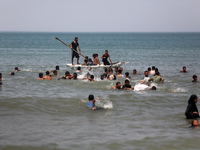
(66, 76)
(191, 110)
(195, 124)
(118, 86)
(91, 102)
(55, 73)
(40, 76)
(146, 77)
(12, 73)
(17, 69)
(105, 57)
(74, 46)
(111, 75)
(157, 78)
(149, 70)
(1, 79)
(96, 59)
(135, 72)
(47, 77)
(184, 70)
(116, 71)
(56, 69)
(74, 77)
(194, 78)
(120, 74)
(78, 69)
(127, 85)
(127, 75)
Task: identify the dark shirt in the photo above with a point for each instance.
(189, 111)
(75, 45)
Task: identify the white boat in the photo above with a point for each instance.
(117, 64)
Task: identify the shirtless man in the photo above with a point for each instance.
(40, 76)
(96, 60)
(74, 46)
(184, 70)
(47, 77)
(105, 57)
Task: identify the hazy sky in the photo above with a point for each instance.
(100, 15)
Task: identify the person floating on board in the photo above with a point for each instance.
(74, 46)
(91, 102)
(192, 110)
(105, 57)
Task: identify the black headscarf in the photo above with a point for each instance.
(191, 100)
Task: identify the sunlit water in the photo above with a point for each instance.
(38, 114)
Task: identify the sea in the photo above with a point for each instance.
(52, 114)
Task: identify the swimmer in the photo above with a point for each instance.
(120, 74)
(78, 69)
(116, 70)
(104, 76)
(91, 78)
(54, 73)
(184, 70)
(57, 68)
(66, 76)
(127, 85)
(88, 76)
(145, 78)
(127, 75)
(1, 79)
(135, 72)
(17, 69)
(192, 110)
(96, 59)
(111, 75)
(195, 123)
(118, 86)
(149, 70)
(156, 78)
(74, 77)
(12, 73)
(194, 78)
(156, 70)
(40, 76)
(153, 70)
(47, 77)
(91, 102)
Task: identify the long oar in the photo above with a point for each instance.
(68, 46)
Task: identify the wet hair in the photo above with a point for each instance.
(154, 88)
(92, 76)
(16, 68)
(54, 71)
(90, 97)
(184, 67)
(194, 76)
(127, 81)
(78, 68)
(153, 67)
(106, 70)
(47, 73)
(193, 122)
(135, 70)
(106, 50)
(120, 71)
(127, 74)
(156, 70)
(67, 73)
(191, 99)
(57, 68)
(40, 75)
(117, 83)
(157, 73)
(12, 73)
(75, 75)
(149, 69)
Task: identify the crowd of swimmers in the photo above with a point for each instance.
(191, 110)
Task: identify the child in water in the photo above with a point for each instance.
(91, 102)
(195, 124)
(194, 78)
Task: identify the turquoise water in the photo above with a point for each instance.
(52, 115)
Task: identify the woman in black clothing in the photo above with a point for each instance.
(192, 111)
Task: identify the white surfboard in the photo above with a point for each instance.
(117, 64)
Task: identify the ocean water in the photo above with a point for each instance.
(50, 115)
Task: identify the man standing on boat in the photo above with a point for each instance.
(105, 57)
(74, 46)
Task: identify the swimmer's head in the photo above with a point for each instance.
(153, 67)
(184, 68)
(91, 97)
(127, 82)
(57, 68)
(79, 68)
(118, 85)
(16, 68)
(40, 75)
(146, 73)
(75, 75)
(153, 88)
(55, 72)
(47, 73)
(134, 71)
(67, 73)
(119, 71)
(195, 123)
(149, 69)
(194, 77)
(92, 76)
(12, 73)
(127, 74)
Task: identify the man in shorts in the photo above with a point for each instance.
(74, 46)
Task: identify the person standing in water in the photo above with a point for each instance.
(105, 57)
(191, 110)
(74, 46)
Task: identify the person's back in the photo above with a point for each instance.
(157, 78)
(47, 77)
(40, 76)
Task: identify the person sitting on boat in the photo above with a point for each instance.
(96, 60)
(105, 57)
